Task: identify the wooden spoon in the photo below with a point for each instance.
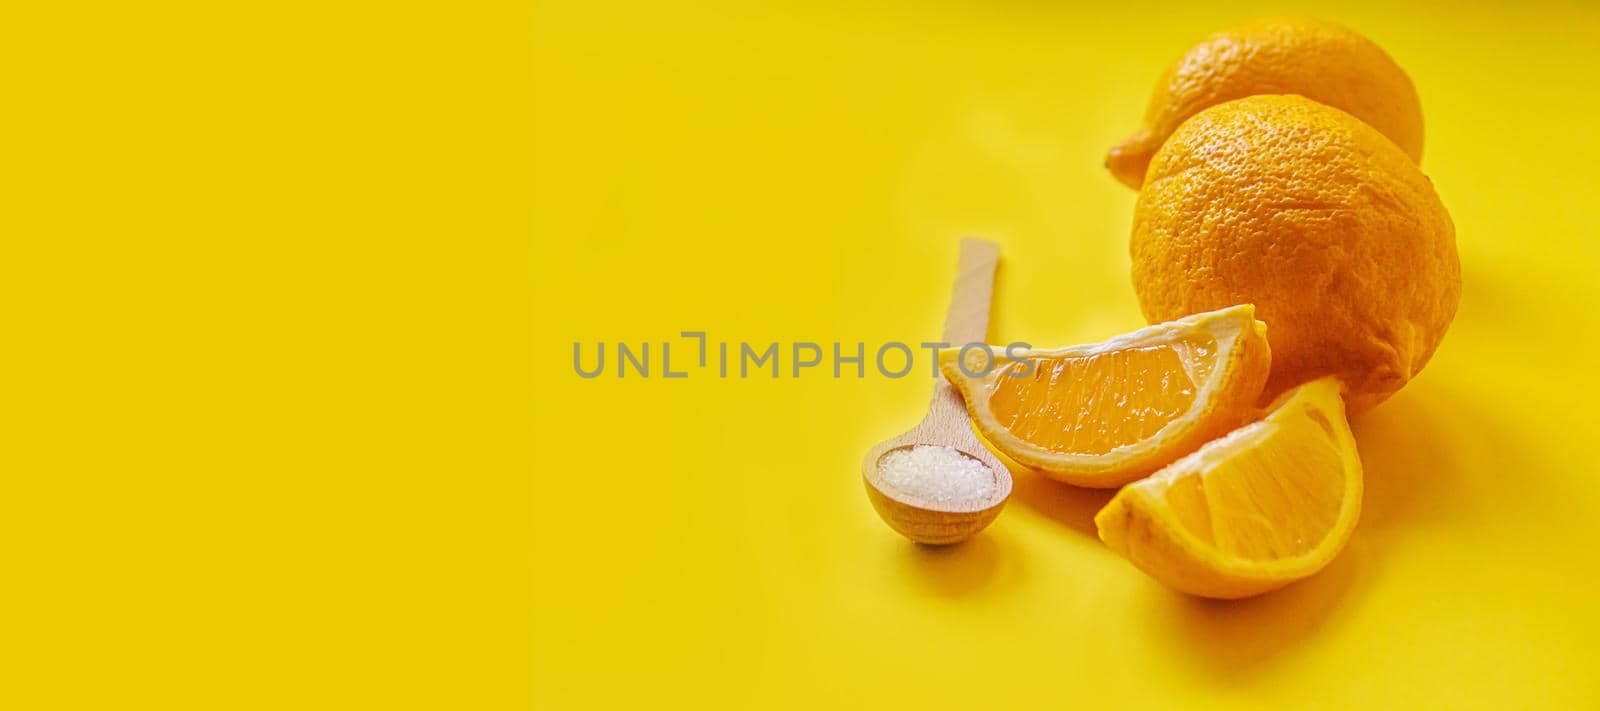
(921, 518)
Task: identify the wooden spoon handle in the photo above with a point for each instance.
(967, 321)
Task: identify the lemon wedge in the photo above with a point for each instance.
(1105, 414)
(1268, 504)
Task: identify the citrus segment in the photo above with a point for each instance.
(1107, 413)
(1270, 503)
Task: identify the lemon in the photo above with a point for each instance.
(1268, 504)
(1322, 61)
(1317, 219)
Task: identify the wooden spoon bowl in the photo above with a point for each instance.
(924, 519)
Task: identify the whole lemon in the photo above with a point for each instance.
(1321, 61)
(1317, 219)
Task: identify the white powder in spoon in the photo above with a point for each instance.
(936, 473)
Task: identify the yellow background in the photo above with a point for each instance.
(801, 171)
(289, 292)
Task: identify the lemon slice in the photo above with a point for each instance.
(1268, 504)
(1105, 414)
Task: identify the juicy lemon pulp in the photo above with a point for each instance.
(1097, 402)
(1271, 499)
(1270, 503)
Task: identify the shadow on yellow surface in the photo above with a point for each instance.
(1072, 506)
(1411, 459)
(1232, 637)
(956, 570)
